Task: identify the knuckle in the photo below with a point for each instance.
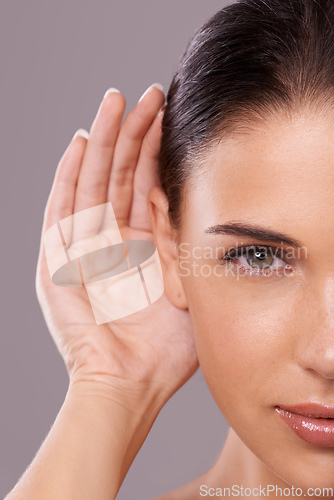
(93, 189)
(122, 175)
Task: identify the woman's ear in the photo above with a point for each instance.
(165, 240)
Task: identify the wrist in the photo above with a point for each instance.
(120, 394)
(124, 415)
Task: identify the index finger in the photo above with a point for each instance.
(146, 175)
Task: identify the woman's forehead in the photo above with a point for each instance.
(286, 154)
(281, 171)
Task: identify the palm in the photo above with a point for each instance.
(135, 346)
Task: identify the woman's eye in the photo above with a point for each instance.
(257, 257)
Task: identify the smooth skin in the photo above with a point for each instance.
(120, 373)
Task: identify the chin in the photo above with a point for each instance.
(313, 468)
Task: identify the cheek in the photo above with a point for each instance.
(243, 345)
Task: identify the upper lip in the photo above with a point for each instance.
(313, 410)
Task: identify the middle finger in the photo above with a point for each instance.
(92, 186)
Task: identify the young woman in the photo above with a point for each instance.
(238, 197)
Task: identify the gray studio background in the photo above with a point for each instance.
(57, 60)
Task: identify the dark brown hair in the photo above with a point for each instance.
(251, 58)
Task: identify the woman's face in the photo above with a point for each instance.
(267, 341)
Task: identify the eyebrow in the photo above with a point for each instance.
(245, 229)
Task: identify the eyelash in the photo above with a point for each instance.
(236, 252)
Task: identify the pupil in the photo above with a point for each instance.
(259, 258)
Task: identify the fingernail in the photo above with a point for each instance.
(154, 86)
(162, 110)
(82, 132)
(111, 91)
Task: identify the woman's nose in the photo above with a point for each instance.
(314, 348)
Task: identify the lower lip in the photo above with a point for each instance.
(316, 431)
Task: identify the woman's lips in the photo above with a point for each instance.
(313, 423)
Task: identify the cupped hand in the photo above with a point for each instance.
(117, 164)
